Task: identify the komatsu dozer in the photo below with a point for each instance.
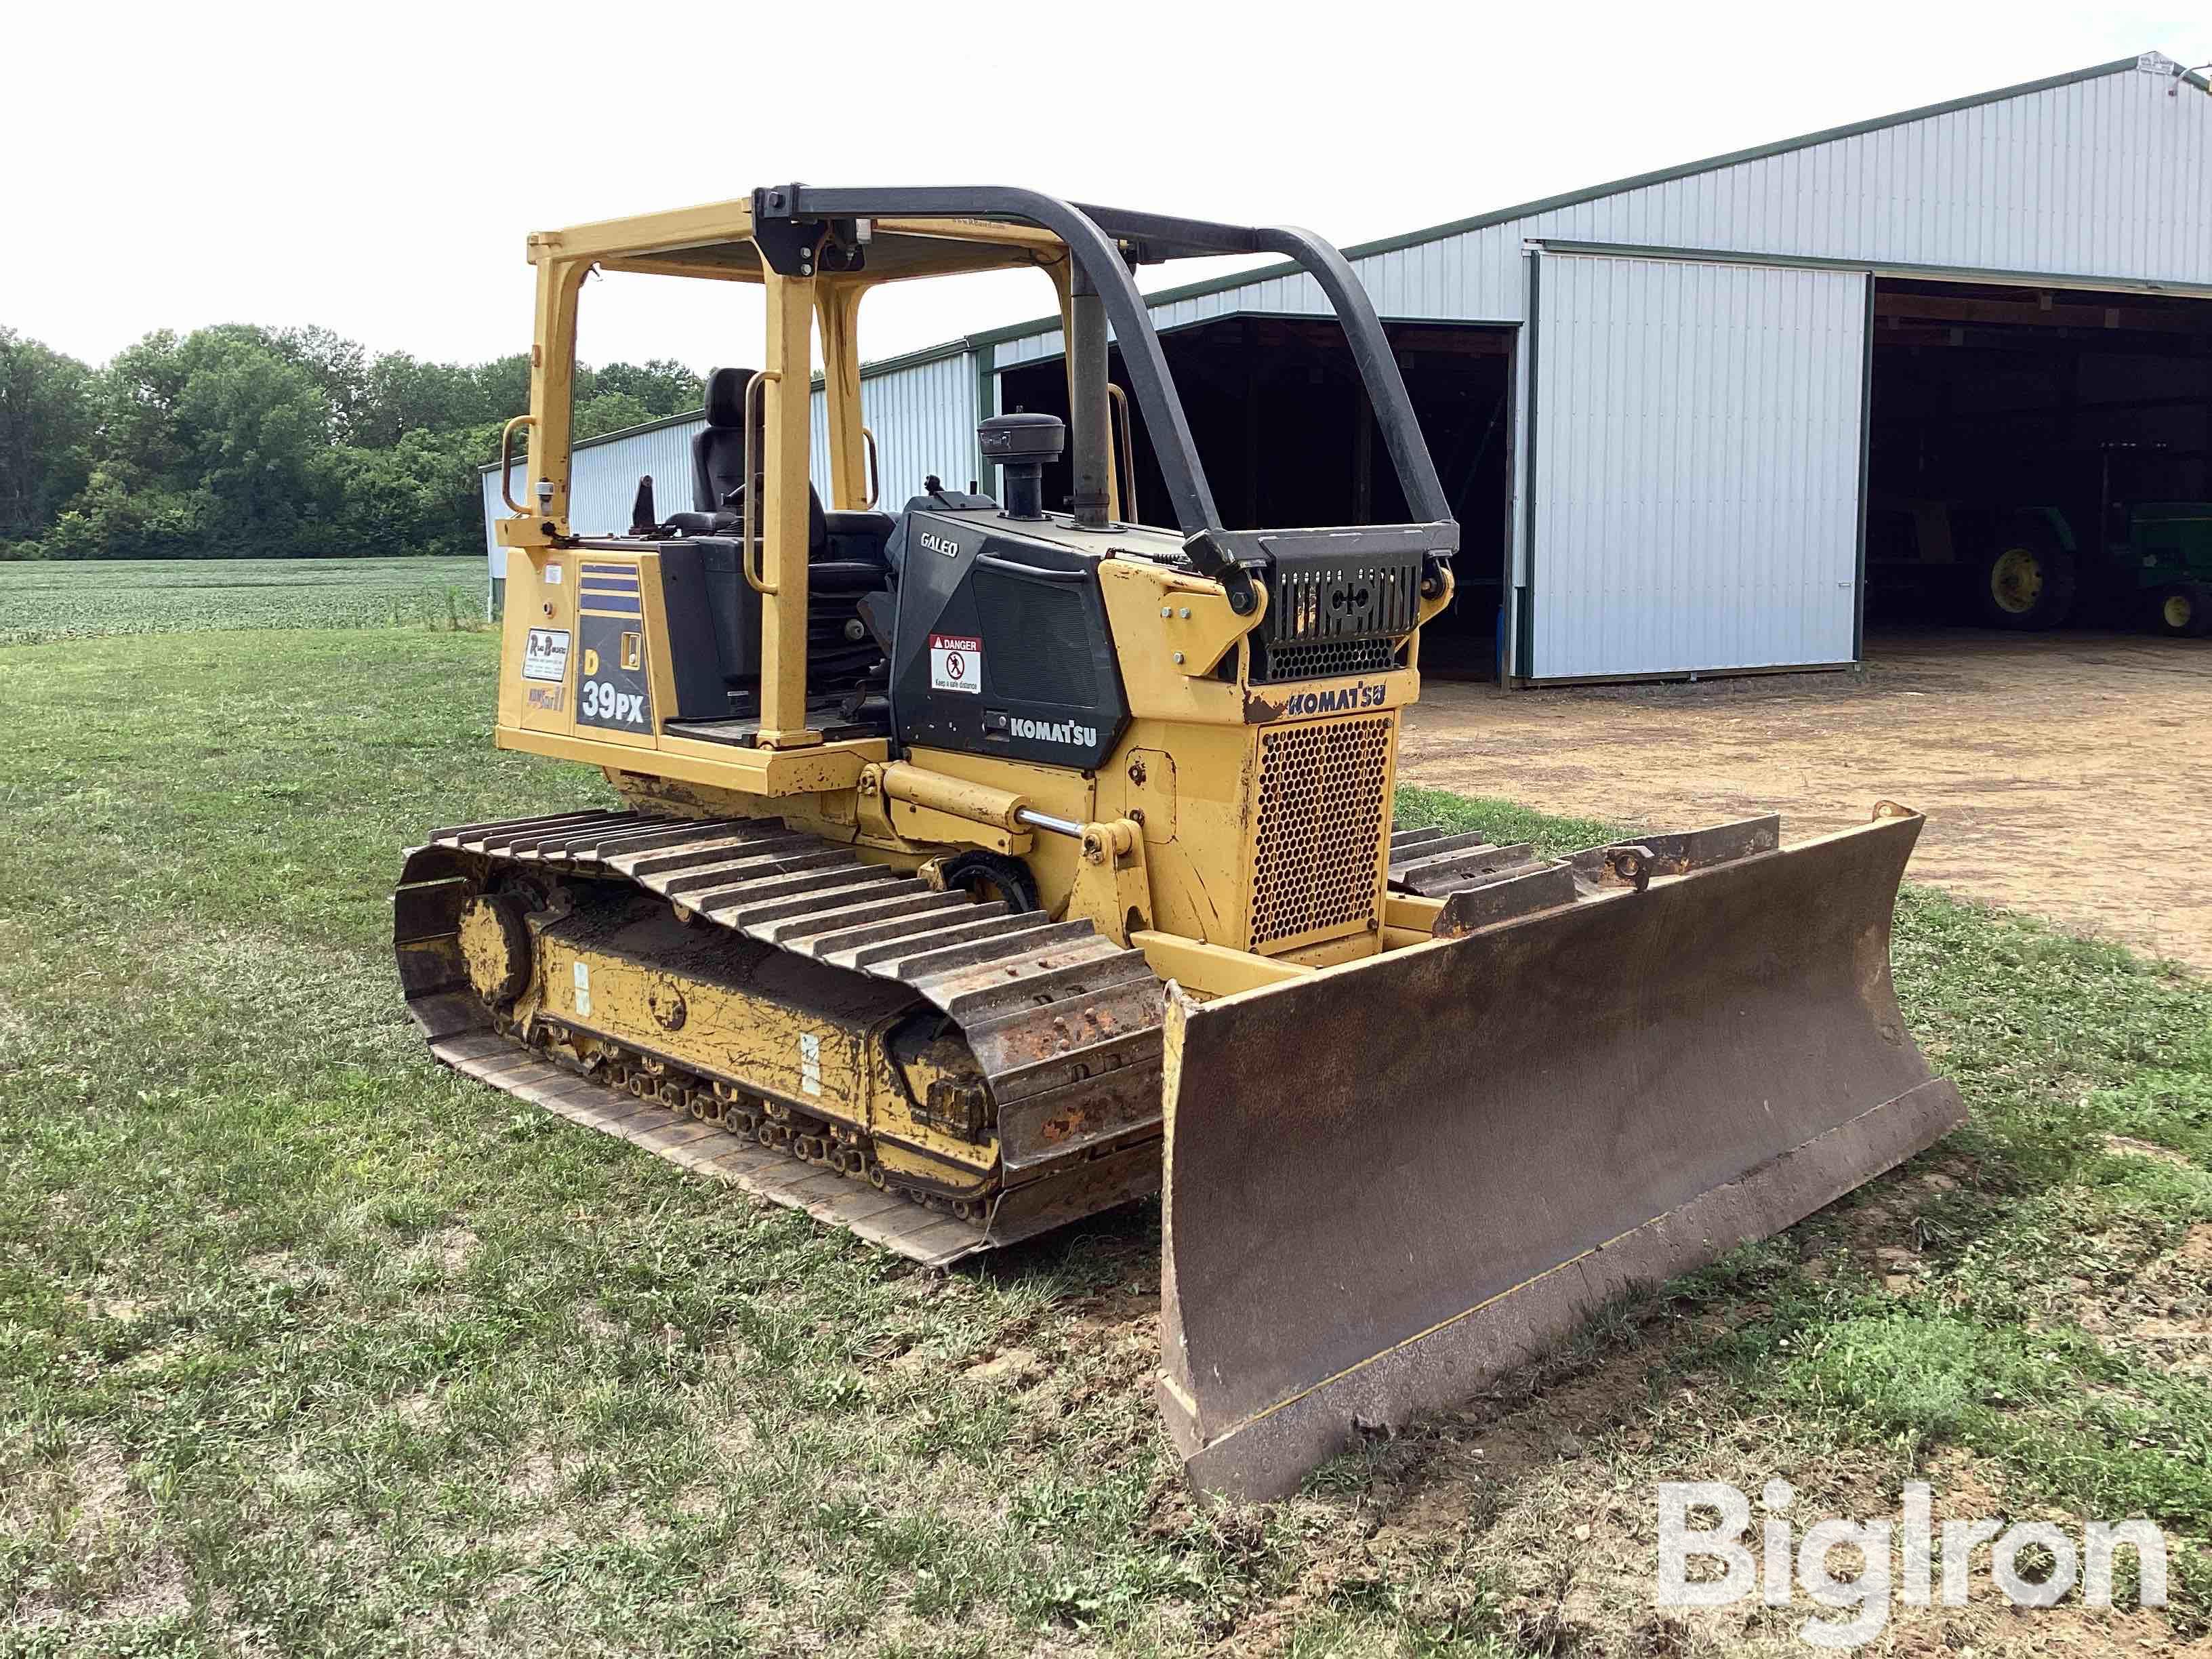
(981, 865)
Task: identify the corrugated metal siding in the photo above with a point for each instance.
(2081, 179)
(494, 510)
(1697, 465)
(924, 419)
(1033, 347)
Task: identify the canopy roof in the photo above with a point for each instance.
(716, 241)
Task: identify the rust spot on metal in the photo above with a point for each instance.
(670, 1011)
(1258, 711)
(1634, 865)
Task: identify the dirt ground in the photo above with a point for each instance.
(2067, 776)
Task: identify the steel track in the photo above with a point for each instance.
(1064, 1024)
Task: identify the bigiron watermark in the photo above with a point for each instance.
(2036, 1563)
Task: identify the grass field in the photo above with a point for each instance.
(308, 1346)
(47, 600)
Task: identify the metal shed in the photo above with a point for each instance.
(1693, 350)
(1665, 396)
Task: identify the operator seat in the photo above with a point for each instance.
(718, 468)
(844, 550)
(844, 565)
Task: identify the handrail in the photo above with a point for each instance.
(1120, 400)
(1039, 573)
(745, 501)
(506, 461)
(875, 473)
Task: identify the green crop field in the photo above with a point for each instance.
(47, 600)
(307, 1346)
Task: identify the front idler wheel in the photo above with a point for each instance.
(994, 876)
(496, 947)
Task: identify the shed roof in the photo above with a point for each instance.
(1619, 187)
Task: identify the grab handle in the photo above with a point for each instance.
(506, 461)
(745, 551)
(1120, 401)
(1037, 573)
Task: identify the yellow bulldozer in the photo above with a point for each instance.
(981, 865)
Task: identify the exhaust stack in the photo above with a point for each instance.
(1088, 412)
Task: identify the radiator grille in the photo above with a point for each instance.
(1317, 598)
(1319, 826)
(1275, 665)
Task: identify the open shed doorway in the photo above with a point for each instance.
(2038, 458)
(1286, 438)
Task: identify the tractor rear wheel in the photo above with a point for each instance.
(2183, 610)
(2027, 580)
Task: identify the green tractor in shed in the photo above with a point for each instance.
(2123, 540)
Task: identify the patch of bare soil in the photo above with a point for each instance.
(2062, 774)
(2163, 1313)
(2130, 1146)
(89, 1497)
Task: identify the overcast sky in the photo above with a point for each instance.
(373, 169)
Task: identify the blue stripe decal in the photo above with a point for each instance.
(615, 573)
(610, 608)
(608, 587)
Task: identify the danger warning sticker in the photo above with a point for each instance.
(956, 663)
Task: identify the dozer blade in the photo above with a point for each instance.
(1389, 1181)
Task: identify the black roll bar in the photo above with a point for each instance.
(1102, 241)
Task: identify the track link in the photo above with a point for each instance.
(1064, 1024)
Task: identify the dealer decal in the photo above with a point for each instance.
(545, 654)
(956, 663)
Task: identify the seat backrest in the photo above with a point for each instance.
(718, 462)
(718, 453)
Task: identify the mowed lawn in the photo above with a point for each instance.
(309, 1347)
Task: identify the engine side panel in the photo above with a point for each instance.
(1002, 645)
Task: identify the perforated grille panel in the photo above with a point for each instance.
(1314, 860)
(1273, 664)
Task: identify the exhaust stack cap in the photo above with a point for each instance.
(1021, 443)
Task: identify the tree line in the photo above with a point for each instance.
(238, 442)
